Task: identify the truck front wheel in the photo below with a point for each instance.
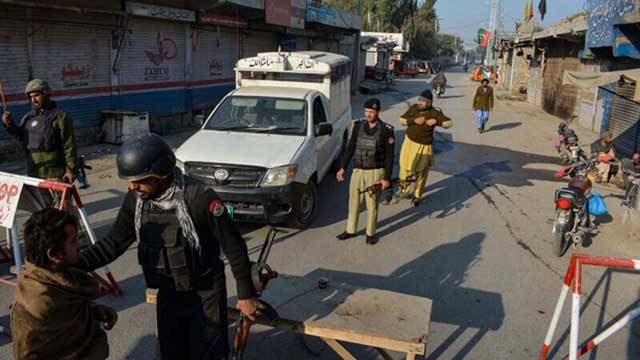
(304, 205)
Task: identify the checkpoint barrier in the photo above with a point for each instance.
(573, 280)
(24, 193)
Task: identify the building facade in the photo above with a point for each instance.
(171, 60)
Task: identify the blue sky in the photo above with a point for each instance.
(464, 17)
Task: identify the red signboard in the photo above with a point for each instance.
(485, 39)
(278, 12)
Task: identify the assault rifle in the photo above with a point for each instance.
(261, 273)
(376, 188)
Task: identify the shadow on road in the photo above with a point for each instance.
(439, 275)
(144, 348)
(506, 126)
(633, 344)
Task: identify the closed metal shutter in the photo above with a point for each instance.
(152, 68)
(255, 42)
(213, 57)
(558, 99)
(624, 120)
(75, 60)
(15, 65)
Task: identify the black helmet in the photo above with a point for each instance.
(562, 126)
(145, 156)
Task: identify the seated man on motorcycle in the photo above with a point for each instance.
(561, 142)
(630, 170)
(571, 151)
(439, 83)
(603, 147)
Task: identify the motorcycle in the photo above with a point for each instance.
(631, 198)
(572, 222)
(439, 90)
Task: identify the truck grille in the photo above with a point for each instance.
(239, 176)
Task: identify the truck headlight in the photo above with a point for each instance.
(280, 176)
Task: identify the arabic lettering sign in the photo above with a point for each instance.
(10, 190)
(162, 12)
(74, 76)
(298, 11)
(224, 20)
(322, 15)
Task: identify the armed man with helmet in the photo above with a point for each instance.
(46, 134)
(180, 227)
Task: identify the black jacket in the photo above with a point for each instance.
(219, 231)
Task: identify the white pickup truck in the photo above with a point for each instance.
(267, 145)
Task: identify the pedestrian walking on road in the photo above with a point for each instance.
(47, 135)
(180, 226)
(483, 104)
(416, 155)
(371, 147)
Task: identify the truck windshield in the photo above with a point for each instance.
(260, 114)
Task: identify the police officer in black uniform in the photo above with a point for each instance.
(180, 226)
(371, 146)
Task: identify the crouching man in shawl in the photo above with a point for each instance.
(53, 315)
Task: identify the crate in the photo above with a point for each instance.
(121, 125)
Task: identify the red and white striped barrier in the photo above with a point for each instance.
(572, 280)
(67, 191)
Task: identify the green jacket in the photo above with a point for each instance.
(483, 100)
(49, 165)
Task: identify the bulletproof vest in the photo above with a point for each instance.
(369, 153)
(41, 136)
(166, 258)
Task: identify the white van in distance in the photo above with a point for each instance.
(267, 145)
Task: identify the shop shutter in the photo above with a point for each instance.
(152, 68)
(14, 61)
(213, 57)
(255, 42)
(75, 60)
(624, 120)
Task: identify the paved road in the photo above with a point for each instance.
(480, 246)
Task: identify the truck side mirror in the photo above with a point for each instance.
(323, 129)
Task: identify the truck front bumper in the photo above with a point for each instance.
(262, 205)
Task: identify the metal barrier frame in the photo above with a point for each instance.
(68, 191)
(573, 280)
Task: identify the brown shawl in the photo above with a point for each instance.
(52, 317)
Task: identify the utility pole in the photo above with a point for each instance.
(493, 20)
(356, 54)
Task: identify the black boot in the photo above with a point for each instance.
(372, 240)
(344, 236)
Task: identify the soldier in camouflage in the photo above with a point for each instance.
(46, 133)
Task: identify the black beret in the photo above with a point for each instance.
(372, 103)
(427, 94)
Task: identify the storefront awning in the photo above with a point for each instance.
(594, 79)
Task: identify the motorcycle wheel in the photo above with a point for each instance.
(560, 242)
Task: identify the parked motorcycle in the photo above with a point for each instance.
(631, 199)
(572, 223)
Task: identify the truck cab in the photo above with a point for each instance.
(267, 145)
